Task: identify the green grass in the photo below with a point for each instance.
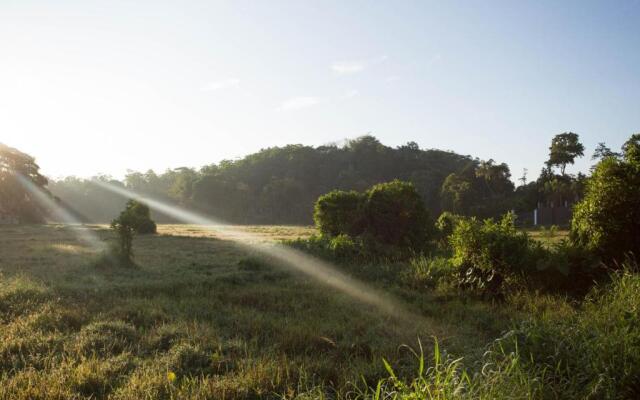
(548, 236)
(201, 307)
(202, 318)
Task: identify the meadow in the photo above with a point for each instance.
(200, 317)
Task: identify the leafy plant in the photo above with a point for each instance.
(339, 212)
(487, 252)
(140, 217)
(607, 220)
(124, 227)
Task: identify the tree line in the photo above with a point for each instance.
(280, 185)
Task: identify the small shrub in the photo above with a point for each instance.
(344, 247)
(429, 272)
(444, 226)
(488, 252)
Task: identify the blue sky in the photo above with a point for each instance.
(190, 83)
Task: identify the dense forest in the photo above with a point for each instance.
(279, 185)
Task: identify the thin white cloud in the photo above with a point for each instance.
(221, 84)
(353, 67)
(392, 78)
(297, 103)
(347, 67)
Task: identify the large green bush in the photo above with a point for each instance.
(395, 215)
(339, 212)
(607, 220)
(388, 216)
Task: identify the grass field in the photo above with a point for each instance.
(201, 317)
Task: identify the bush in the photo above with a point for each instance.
(340, 212)
(487, 252)
(386, 217)
(395, 215)
(429, 272)
(444, 226)
(607, 220)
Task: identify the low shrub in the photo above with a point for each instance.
(444, 227)
(429, 272)
(487, 253)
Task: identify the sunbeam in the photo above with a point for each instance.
(83, 233)
(313, 267)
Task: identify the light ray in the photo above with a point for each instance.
(313, 267)
(83, 233)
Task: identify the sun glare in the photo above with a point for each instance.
(321, 271)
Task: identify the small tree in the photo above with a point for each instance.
(564, 149)
(123, 226)
(140, 217)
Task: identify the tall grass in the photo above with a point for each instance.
(593, 353)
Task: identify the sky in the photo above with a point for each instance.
(95, 87)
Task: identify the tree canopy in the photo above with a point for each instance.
(607, 220)
(565, 148)
(16, 200)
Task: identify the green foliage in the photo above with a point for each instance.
(595, 352)
(482, 189)
(395, 215)
(487, 252)
(124, 227)
(564, 149)
(275, 185)
(339, 212)
(429, 272)
(631, 150)
(139, 216)
(607, 220)
(387, 221)
(444, 226)
(16, 201)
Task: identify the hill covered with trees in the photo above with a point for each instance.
(280, 184)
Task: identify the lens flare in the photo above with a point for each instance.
(313, 267)
(83, 233)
